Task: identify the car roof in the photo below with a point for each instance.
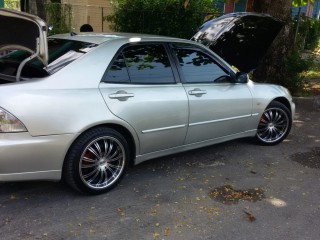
(98, 38)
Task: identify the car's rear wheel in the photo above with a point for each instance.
(274, 125)
(96, 162)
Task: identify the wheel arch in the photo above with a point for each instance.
(128, 136)
(119, 128)
(284, 101)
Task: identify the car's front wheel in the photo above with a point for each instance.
(274, 125)
(96, 162)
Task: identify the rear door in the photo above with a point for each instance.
(140, 87)
(218, 106)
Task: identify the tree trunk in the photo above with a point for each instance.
(272, 67)
(24, 5)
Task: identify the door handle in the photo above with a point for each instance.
(121, 95)
(197, 92)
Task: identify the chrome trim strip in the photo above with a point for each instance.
(21, 173)
(52, 175)
(220, 120)
(190, 146)
(163, 129)
(254, 114)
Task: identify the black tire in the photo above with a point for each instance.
(97, 160)
(274, 125)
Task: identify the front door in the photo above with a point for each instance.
(218, 106)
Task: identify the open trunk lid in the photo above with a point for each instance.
(23, 31)
(19, 30)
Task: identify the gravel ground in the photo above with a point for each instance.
(234, 190)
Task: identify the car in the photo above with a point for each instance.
(83, 107)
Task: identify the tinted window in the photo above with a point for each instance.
(197, 67)
(148, 64)
(143, 64)
(117, 73)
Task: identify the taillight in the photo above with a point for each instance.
(9, 123)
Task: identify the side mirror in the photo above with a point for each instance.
(241, 77)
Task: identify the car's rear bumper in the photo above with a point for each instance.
(23, 157)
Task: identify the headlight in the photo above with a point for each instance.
(9, 123)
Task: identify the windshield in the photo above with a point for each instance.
(61, 53)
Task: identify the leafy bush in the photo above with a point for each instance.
(176, 18)
(313, 36)
(295, 67)
(309, 33)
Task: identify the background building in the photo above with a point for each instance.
(235, 6)
(246, 6)
(91, 12)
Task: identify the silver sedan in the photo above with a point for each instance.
(84, 106)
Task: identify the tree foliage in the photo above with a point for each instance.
(308, 33)
(59, 17)
(299, 3)
(177, 18)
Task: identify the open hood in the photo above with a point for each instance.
(241, 39)
(19, 30)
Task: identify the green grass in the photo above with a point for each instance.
(312, 77)
(313, 73)
(312, 80)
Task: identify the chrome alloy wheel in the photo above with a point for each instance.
(102, 162)
(273, 126)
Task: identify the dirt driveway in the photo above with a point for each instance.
(234, 190)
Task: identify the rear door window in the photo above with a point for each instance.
(141, 64)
